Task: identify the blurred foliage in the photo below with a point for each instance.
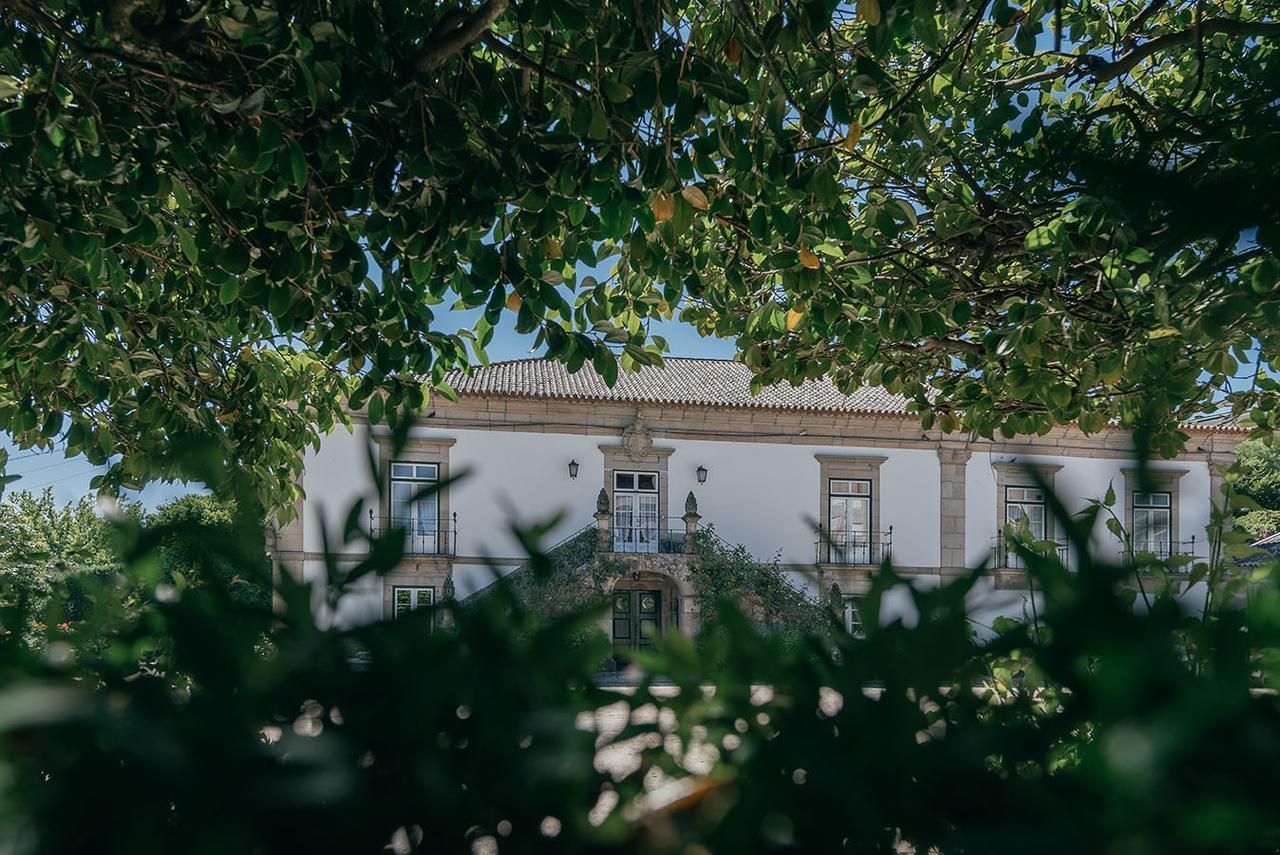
(234, 220)
(186, 718)
(190, 521)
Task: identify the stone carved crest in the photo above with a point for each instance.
(637, 441)
(602, 502)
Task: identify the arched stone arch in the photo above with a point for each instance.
(672, 582)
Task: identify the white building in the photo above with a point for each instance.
(527, 440)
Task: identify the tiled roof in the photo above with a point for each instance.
(682, 381)
(694, 382)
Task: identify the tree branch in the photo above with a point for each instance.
(1100, 70)
(525, 61)
(439, 51)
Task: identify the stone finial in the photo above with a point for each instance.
(835, 599)
(602, 501)
(691, 504)
(447, 590)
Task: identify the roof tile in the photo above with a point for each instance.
(680, 381)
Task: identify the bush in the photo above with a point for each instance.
(191, 720)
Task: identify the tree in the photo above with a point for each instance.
(43, 543)
(232, 221)
(1258, 480)
(188, 523)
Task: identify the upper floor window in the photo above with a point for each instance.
(635, 512)
(1024, 509)
(1152, 523)
(849, 521)
(415, 506)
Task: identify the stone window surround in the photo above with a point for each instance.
(417, 449)
(616, 458)
(389, 596)
(1015, 474)
(1159, 481)
(861, 467)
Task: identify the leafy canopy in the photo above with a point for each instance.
(233, 220)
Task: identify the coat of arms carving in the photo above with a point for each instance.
(637, 441)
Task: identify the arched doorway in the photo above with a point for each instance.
(645, 604)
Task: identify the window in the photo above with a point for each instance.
(635, 511)
(853, 617)
(849, 521)
(405, 600)
(1024, 510)
(415, 505)
(1152, 528)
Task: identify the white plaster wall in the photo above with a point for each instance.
(335, 477)
(766, 496)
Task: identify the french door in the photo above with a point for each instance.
(1024, 510)
(417, 514)
(635, 512)
(1152, 528)
(849, 521)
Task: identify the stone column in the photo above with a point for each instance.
(952, 462)
(1217, 480)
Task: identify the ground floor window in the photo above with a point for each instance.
(853, 617)
(406, 599)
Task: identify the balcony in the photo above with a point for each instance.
(1008, 554)
(854, 548)
(421, 537)
(1179, 554)
(653, 536)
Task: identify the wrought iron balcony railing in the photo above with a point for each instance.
(1146, 551)
(421, 536)
(656, 536)
(1009, 557)
(854, 547)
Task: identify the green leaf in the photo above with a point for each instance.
(229, 291)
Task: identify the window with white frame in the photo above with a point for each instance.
(1024, 509)
(853, 617)
(635, 511)
(849, 520)
(406, 599)
(415, 505)
(1152, 523)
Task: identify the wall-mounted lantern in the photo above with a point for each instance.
(702, 474)
(573, 469)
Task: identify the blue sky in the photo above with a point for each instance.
(69, 477)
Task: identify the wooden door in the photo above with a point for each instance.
(637, 618)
